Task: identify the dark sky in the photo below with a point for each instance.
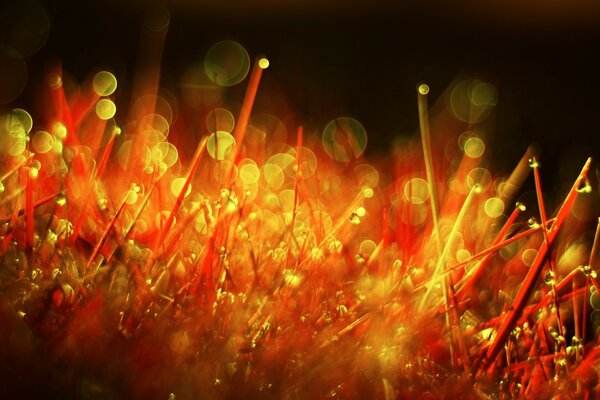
(365, 59)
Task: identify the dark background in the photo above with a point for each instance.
(365, 59)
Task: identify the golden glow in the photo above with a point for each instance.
(33, 172)
(277, 230)
(291, 278)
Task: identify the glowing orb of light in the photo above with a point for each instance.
(17, 147)
(105, 109)
(479, 176)
(416, 190)
(59, 130)
(474, 147)
(368, 192)
(463, 255)
(42, 142)
(220, 144)
(367, 247)
(132, 197)
(55, 81)
(104, 83)
(34, 172)
(154, 128)
(307, 162)
(367, 175)
(125, 152)
(344, 138)
(263, 63)
(19, 122)
(415, 214)
(165, 152)
(177, 186)
(528, 256)
(285, 161)
(249, 172)
(286, 201)
(273, 176)
(220, 119)
(14, 129)
(494, 207)
(227, 63)
(150, 104)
